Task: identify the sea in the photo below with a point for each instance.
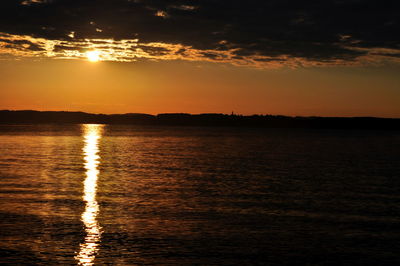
(95, 194)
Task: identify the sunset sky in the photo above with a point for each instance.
(325, 58)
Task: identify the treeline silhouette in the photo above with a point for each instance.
(211, 120)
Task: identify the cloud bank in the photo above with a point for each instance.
(253, 33)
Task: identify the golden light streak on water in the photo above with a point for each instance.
(88, 249)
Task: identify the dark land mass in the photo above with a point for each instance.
(212, 120)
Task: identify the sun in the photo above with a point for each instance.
(93, 56)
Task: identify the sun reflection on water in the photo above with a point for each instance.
(88, 250)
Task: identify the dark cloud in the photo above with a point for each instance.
(59, 48)
(18, 44)
(154, 51)
(313, 29)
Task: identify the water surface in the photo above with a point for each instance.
(131, 195)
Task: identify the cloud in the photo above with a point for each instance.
(30, 2)
(259, 33)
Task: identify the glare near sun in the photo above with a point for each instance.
(93, 56)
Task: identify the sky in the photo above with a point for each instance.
(306, 58)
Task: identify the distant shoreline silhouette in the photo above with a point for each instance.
(208, 119)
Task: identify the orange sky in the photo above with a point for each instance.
(193, 87)
(249, 57)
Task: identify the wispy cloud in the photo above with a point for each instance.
(30, 2)
(130, 50)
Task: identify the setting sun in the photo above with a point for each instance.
(93, 56)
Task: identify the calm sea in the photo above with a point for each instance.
(131, 195)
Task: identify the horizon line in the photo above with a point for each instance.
(206, 113)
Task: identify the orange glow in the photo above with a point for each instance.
(88, 250)
(93, 56)
(177, 86)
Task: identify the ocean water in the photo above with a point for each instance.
(135, 195)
